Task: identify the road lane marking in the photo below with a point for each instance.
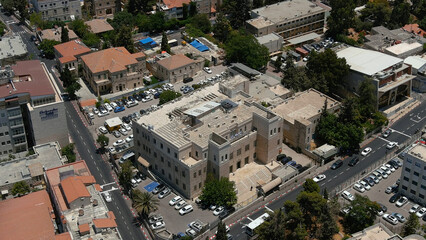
(249, 219)
(393, 130)
(384, 139)
(84, 143)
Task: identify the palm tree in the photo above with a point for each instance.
(144, 203)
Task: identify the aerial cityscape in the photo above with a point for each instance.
(212, 119)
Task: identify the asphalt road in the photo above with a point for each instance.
(84, 143)
(405, 127)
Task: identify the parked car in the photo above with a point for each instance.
(359, 187)
(366, 151)
(353, 161)
(123, 131)
(226, 212)
(218, 210)
(390, 167)
(175, 200)
(187, 80)
(107, 196)
(119, 109)
(319, 178)
(158, 188)
(365, 185)
(337, 164)
(421, 212)
(387, 133)
(399, 217)
(186, 209)
(414, 209)
(129, 138)
(108, 107)
(180, 205)
(370, 181)
(207, 70)
(390, 219)
(348, 196)
(103, 130)
(196, 226)
(401, 202)
(158, 225)
(191, 232)
(394, 198)
(155, 218)
(164, 193)
(119, 142)
(116, 134)
(389, 190)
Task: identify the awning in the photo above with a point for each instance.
(272, 184)
(4, 192)
(144, 162)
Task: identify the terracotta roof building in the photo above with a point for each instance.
(414, 28)
(27, 218)
(172, 8)
(79, 203)
(177, 67)
(113, 70)
(55, 34)
(98, 26)
(69, 54)
(27, 87)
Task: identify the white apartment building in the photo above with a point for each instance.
(61, 10)
(413, 175)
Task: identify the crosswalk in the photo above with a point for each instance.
(20, 32)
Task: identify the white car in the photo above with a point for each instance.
(123, 131)
(414, 209)
(180, 205)
(347, 195)
(401, 202)
(155, 218)
(111, 149)
(95, 111)
(91, 116)
(107, 196)
(388, 190)
(207, 70)
(390, 167)
(119, 142)
(319, 178)
(391, 145)
(113, 105)
(359, 187)
(158, 225)
(390, 218)
(186, 209)
(366, 151)
(365, 185)
(175, 200)
(103, 130)
(218, 210)
(421, 212)
(129, 138)
(127, 127)
(386, 170)
(191, 232)
(196, 226)
(108, 107)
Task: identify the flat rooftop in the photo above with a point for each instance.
(46, 155)
(367, 62)
(375, 232)
(419, 151)
(287, 10)
(12, 46)
(260, 22)
(168, 121)
(269, 38)
(403, 47)
(303, 106)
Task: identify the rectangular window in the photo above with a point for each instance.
(421, 196)
(414, 183)
(162, 171)
(404, 187)
(416, 173)
(184, 186)
(170, 176)
(406, 179)
(407, 169)
(279, 129)
(168, 164)
(177, 181)
(168, 150)
(155, 154)
(195, 174)
(183, 174)
(246, 160)
(176, 169)
(176, 156)
(247, 147)
(231, 155)
(161, 145)
(417, 164)
(162, 159)
(254, 143)
(239, 152)
(199, 172)
(278, 142)
(423, 187)
(254, 155)
(413, 192)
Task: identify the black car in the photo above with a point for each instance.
(33, 38)
(126, 119)
(125, 101)
(298, 166)
(157, 95)
(281, 157)
(142, 111)
(187, 80)
(369, 180)
(138, 97)
(158, 188)
(337, 164)
(424, 217)
(383, 207)
(393, 164)
(131, 98)
(286, 160)
(394, 198)
(142, 95)
(226, 212)
(353, 161)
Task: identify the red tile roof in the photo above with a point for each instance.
(175, 61)
(27, 218)
(104, 223)
(111, 59)
(63, 236)
(84, 228)
(74, 188)
(414, 28)
(175, 3)
(32, 79)
(70, 49)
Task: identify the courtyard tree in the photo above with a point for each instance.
(168, 95)
(144, 203)
(165, 43)
(362, 214)
(64, 35)
(411, 226)
(218, 192)
(20, 188)
(125, 176)
(68, 151)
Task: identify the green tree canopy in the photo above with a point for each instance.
(311, 204)
(139, 6)
(238, 11)
(168, 95)
(124, 39)
(102, 140)
(47, 46)
(411, 226)
(202, 22)
(221, 231)
(367, 98)
(310, 186)
(20, 188)
(222, 28)
(341, 17)
(64, 35)
(273, 228)
(68, 151)
(328, 224)
(165, 43)
(70, 82)
(125, 176)
(192, 9)
(244, 48)
(144, 203)
(377, 11)
(362, 214)
(218, 192)
(400, 14)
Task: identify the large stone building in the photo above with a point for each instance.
(413, 175)
(203, 133)
(113, 70)
(289, 19)
(29, 104)
(391, 77)
(172, 8)
(103, 8)
(177, 67)
(68, 55)
(58, 10)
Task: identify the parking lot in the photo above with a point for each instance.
(377, 193)
(176, 223)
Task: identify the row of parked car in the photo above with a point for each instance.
(287, 160)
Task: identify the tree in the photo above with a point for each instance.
(21, 7)
(123, 18)
(411, 225)
(400, 14)
(295, 78)
(327, 66)
(70, 82)
(218, 192)
(139, 6)
(185, 9)
(328, 225)
(202, 22)
(341, 17)
(79, 27)
(244, 48)
(144, 203)
(2, 28)
(20, 188)
(325, 194)
(192, 9)
(311, 204)
(47, 46)
(258, 3)
(377, 11)
(37, 19)
(367, 98)
(349, 111)
(64, 35)
(165, 43)
(125, 176)
(238, 11)
(293, 214)
(311, 186)
(221, 231)
(278, 63)
(168, 95)
(124, 39)
(362, 214)
(68, 151)
(273, 227)
(102, 140)
(222, 28)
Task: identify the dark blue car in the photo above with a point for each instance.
(119, 109)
